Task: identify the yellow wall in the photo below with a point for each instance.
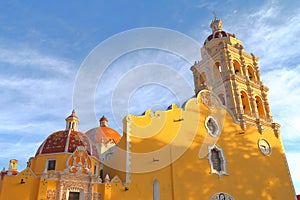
(36, 186)
(171, 147)
(13, 189)
(251, 175)
(38, 163)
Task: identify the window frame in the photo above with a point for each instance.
(50, 166)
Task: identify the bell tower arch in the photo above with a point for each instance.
(233, 74)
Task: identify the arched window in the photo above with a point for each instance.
(245, 103)
(251, 73)
(260, 107)
(156, 190)
(237, 68)
(218, 67)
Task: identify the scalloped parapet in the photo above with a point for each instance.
(159, 138)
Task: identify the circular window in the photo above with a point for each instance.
(221, 196)
(264, 147)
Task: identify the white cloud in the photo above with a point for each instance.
(27, 93)
(19, 150)
(32, 103)
(30, 58)
(284, 94)
(270, 34)
(132, 67)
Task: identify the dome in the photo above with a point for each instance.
(217, 32)
(66, 142)
(104, 134)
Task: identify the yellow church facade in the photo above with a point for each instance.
(221, 144)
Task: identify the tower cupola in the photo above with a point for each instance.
(216, 25)
(103, 121)
(72, 122)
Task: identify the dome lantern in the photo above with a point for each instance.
(103, 121)
(72, 122)
(216, 25)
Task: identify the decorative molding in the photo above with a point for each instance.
(128, 150)
(78, 183)
(51, 194)
(97, 196)
(208, 100)
(79, 161)
(276, 129)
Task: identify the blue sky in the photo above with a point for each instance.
(42, 46)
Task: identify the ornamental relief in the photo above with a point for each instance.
(208, 100)
(79, 161)
(51, 194)
(97, 196)
(78, 182)
(77, 178)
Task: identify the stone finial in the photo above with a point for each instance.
(106, 179)
(216, 25)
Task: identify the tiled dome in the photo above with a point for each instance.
(217, 32)
(66, 142)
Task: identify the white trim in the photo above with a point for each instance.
(47, 163)
(128, 145)
(68, 141)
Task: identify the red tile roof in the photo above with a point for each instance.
(57, 141)
(104, 134)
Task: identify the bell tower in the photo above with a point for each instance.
(233, 75)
